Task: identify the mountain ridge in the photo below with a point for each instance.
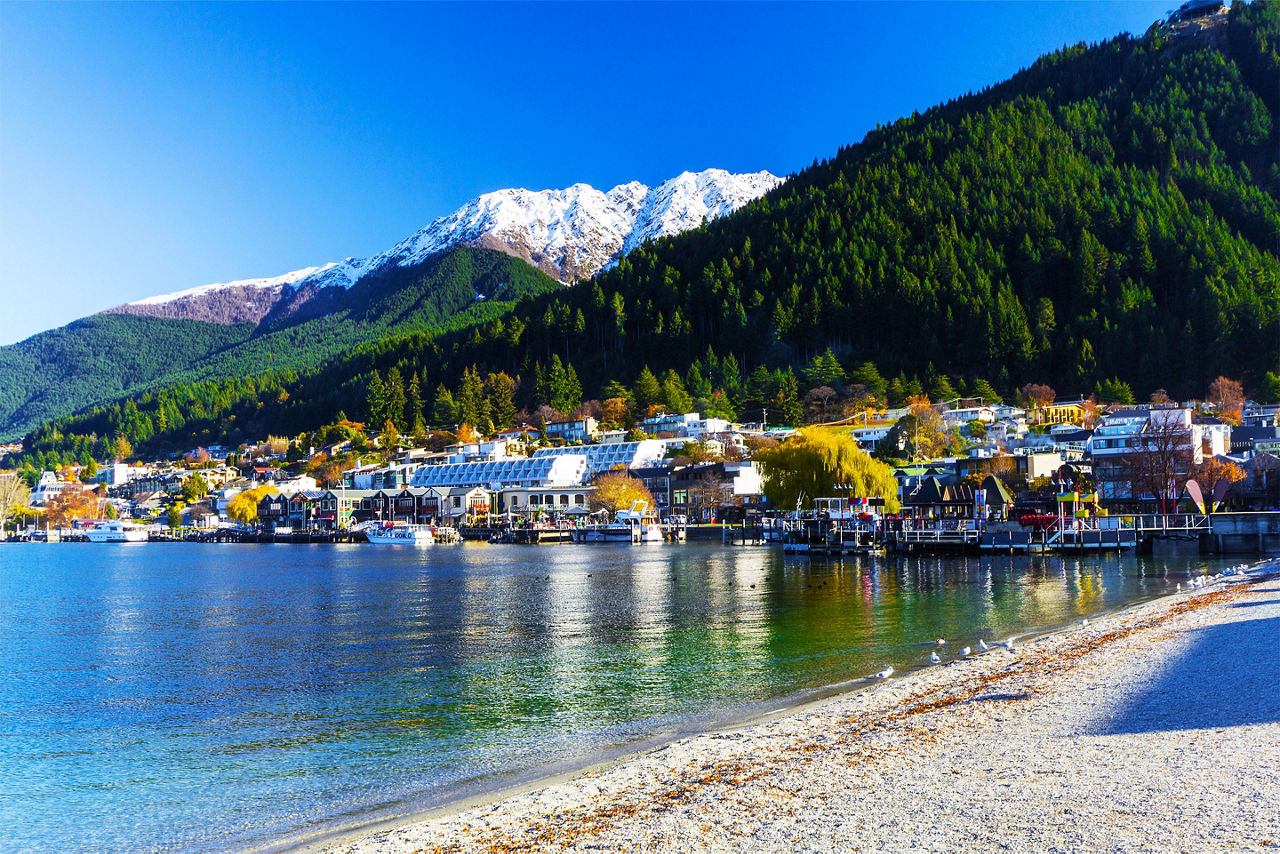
(568, 234)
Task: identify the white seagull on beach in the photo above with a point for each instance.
(933, 656)
(1084, 623)
(886, 673)
(1008, 644)
(964, 651)
(982, 645)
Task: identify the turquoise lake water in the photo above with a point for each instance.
(204, 697)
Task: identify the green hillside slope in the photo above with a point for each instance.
(106, 357)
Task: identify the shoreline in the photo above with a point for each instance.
(602, 803)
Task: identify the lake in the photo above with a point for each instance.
(202, 697)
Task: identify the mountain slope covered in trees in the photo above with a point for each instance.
(1109, 215)
(109, 356)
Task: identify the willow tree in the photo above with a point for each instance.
(818, 463)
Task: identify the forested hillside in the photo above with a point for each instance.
(108, 356)
(1108, 217)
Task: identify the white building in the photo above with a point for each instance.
(602, 458)
(1176, 431)
(557, 469)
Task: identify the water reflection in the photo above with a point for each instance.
(211, 696)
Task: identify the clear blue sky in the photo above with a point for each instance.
(150, 147)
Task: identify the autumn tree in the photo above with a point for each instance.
(14, 494)
(818, 462)
(1228, 396)
(1036, 396)
(617, 490)
(73, 502)
(1214, 472)
(123, 450)
(244, 507)
(389, 438)
(922, 433)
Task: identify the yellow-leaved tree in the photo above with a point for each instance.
(244, 507)
(819, 462)
(617, 490)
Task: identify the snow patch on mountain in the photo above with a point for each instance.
(576, 232)
(569, 234)
(202, 290)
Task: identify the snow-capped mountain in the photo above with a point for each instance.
(569, 234)
(574, 233)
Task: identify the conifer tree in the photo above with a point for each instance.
(396, 400)
(648, 391)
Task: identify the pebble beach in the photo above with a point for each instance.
(1155, 729)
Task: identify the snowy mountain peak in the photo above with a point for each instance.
(576, 232)
(569, 234)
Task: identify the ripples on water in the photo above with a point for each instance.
(201, 696)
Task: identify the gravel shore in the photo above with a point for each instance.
(1153, 730)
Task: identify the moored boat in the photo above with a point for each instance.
(633, 525)
(400, 534)
(117, 531)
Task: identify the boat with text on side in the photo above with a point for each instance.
(117, 531)
(400, 534)
(636, 524)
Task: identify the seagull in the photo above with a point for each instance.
(982, 645)
(1008, 644)
(886, 673)
(1179, 586)
(964, 651)
(1084, 623)
(933, 656)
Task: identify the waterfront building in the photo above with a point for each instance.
(1142, 452)
(555, 469)
(602, 458)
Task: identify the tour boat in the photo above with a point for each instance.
(117, 531)
(633, 525)
(400, 534)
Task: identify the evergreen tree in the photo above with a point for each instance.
(786, 406)
(502, 396)
(396, 401)
(648, 391)
(376, 399)
(470, 401)
(444, 411)
(674, 395)
(824, 369)
(413, 406)
(983, 389)
(867, 374)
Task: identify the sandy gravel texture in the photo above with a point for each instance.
(1153, 730)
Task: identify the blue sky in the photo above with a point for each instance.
(150, 147)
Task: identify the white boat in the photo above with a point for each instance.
(117, 531)
(400, 534)
(633, 525)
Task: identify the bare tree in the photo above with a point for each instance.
(819, 397)
(705, 493)
(1161, 458)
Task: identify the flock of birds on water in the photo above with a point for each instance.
(1195, 583)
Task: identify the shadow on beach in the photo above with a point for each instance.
(1229, 677)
